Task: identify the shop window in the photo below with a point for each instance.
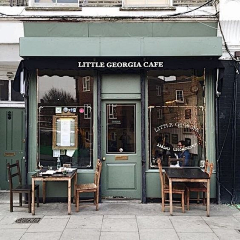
(171, 121)
(86, 84)
(179, 96)
(87, 111)
(159, 113)
(121, 131)
(112, 113)
(7, 93)
(65, 121)
(159, 90)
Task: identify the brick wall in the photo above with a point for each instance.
(228, 118)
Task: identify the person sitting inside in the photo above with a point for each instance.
(184, 153)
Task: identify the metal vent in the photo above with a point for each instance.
(28, 220)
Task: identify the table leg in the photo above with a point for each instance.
(208, 197)
(33, 196)
(74, 188)
(44, 191)
(170, 196)
(69, 196)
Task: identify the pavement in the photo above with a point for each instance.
(119, 220)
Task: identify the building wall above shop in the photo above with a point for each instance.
(120, 46)
(120, 29)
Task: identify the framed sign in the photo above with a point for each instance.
(65, 132)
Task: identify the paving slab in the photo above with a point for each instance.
(119, 235)
(121, 220)
(42, 236)
(49, 225)
(222, 222)
(158, 234)
(9, 234)
(154, 222)
(80, 234)
(194, 224)
(227, 234)
(83, 221)
(119, 225)
(197, 236)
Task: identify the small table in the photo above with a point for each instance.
(54, 178)
(187, 174)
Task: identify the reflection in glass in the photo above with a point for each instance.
(121, 128)
(63, 99)
(3, 90)
(176, 113)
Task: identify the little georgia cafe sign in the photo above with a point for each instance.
(120, 64)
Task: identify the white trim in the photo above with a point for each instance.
(12, 104)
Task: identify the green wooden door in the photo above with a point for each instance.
(121, 149)
(12, 129)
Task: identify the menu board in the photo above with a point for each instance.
(64, 132)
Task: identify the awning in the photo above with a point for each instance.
(64, 65)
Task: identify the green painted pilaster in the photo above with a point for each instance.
(210, 126)
(32, 125)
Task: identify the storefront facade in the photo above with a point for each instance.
(124, 92)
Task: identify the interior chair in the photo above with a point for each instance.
(199, 187)
(176, 189)
(90, 187)
(173, 161)
(14, 171)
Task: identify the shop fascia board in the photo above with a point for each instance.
(120, 46)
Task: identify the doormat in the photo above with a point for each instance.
(28, 220)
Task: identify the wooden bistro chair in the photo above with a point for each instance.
(199, 187)
(90, 187)
(14, 171)
(176, 189)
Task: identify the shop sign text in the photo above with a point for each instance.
(120, 64)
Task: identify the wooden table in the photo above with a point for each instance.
(187, 174)
(54, 178)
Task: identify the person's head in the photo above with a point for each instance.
(181, 144)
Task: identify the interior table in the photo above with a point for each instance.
(187, 174)
(58, 177)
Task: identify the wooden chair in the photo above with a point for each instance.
(14, 171)
(90, 187)
(173, 161)
(177, 188)
(199, 187)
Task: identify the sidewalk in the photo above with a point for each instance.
(120, 220)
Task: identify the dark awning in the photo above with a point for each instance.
(49, 65)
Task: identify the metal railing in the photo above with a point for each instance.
(104, 3)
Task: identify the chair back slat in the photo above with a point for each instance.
(162, 177)
(14, 171)
(98, 172)
(208, 168)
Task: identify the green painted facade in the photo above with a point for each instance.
(116, 39)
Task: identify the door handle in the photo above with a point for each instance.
(103, 159)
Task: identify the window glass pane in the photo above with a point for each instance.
(121, 128)
(16, 96)
(65, 121)
(3, 90)
(176, 115)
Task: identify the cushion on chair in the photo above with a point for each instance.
(86, 186)
(200, 187)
